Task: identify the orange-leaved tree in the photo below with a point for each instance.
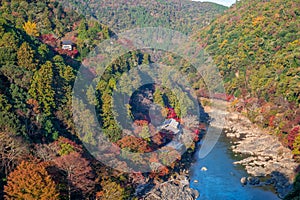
(30, 181)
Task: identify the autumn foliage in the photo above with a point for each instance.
(30, 181)
(31, 29)
(78, 172)
(292, 136)
(49, 39)
(134, 144)
(12, 150)
(73, 53)
(110, 191)
(172, 114)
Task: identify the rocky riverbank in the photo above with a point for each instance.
(265, 159)
(263, 155)
(176, 188)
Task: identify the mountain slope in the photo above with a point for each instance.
(32, 33)
(258, 39)
(185, 16)
(37, 124)
(256, 46)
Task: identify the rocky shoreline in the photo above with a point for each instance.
(176, 188)
(265, 159)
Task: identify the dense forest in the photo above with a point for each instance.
(184, 16)
(39, 158)
(42, 156)
(255, 45)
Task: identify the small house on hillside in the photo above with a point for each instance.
(171, 125)
(67, 45)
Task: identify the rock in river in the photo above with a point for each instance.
(204, 169)
(244, 181)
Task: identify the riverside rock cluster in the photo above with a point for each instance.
(263, 155)
(176, 188)
(265, 159)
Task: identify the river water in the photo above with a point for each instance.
(221, 181)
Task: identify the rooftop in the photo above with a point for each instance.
(171, 125)
(67, 42)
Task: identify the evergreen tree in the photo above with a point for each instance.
(41, 88)
(26, 57)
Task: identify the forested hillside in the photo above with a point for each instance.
(185, 16)
(42, 46)
(37, 161)
(256, 46)
(36, 73)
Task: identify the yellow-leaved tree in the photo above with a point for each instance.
(31, 29)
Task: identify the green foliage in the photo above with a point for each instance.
(39, 17)
(296, 146)
(49, 129)
(184, 16)
(146, 59)
(256, 49)
(4, 104)
(111, 191)
(85, 121)
(9, 122)
(17, 75)
(255, 46)
(90, 34)
(295, 194)
(65, 149)
(43, 50)
(36, 82)
(8, 47)
(19, 97)
(158, 97)
(107, 85)
(113, 133)
(145, 133)
(36, 85)
(41, 88)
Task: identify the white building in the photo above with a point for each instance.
(67, 45)
(171, 125)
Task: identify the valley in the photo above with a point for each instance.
(208, 110)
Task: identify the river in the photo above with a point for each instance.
(221, 181)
